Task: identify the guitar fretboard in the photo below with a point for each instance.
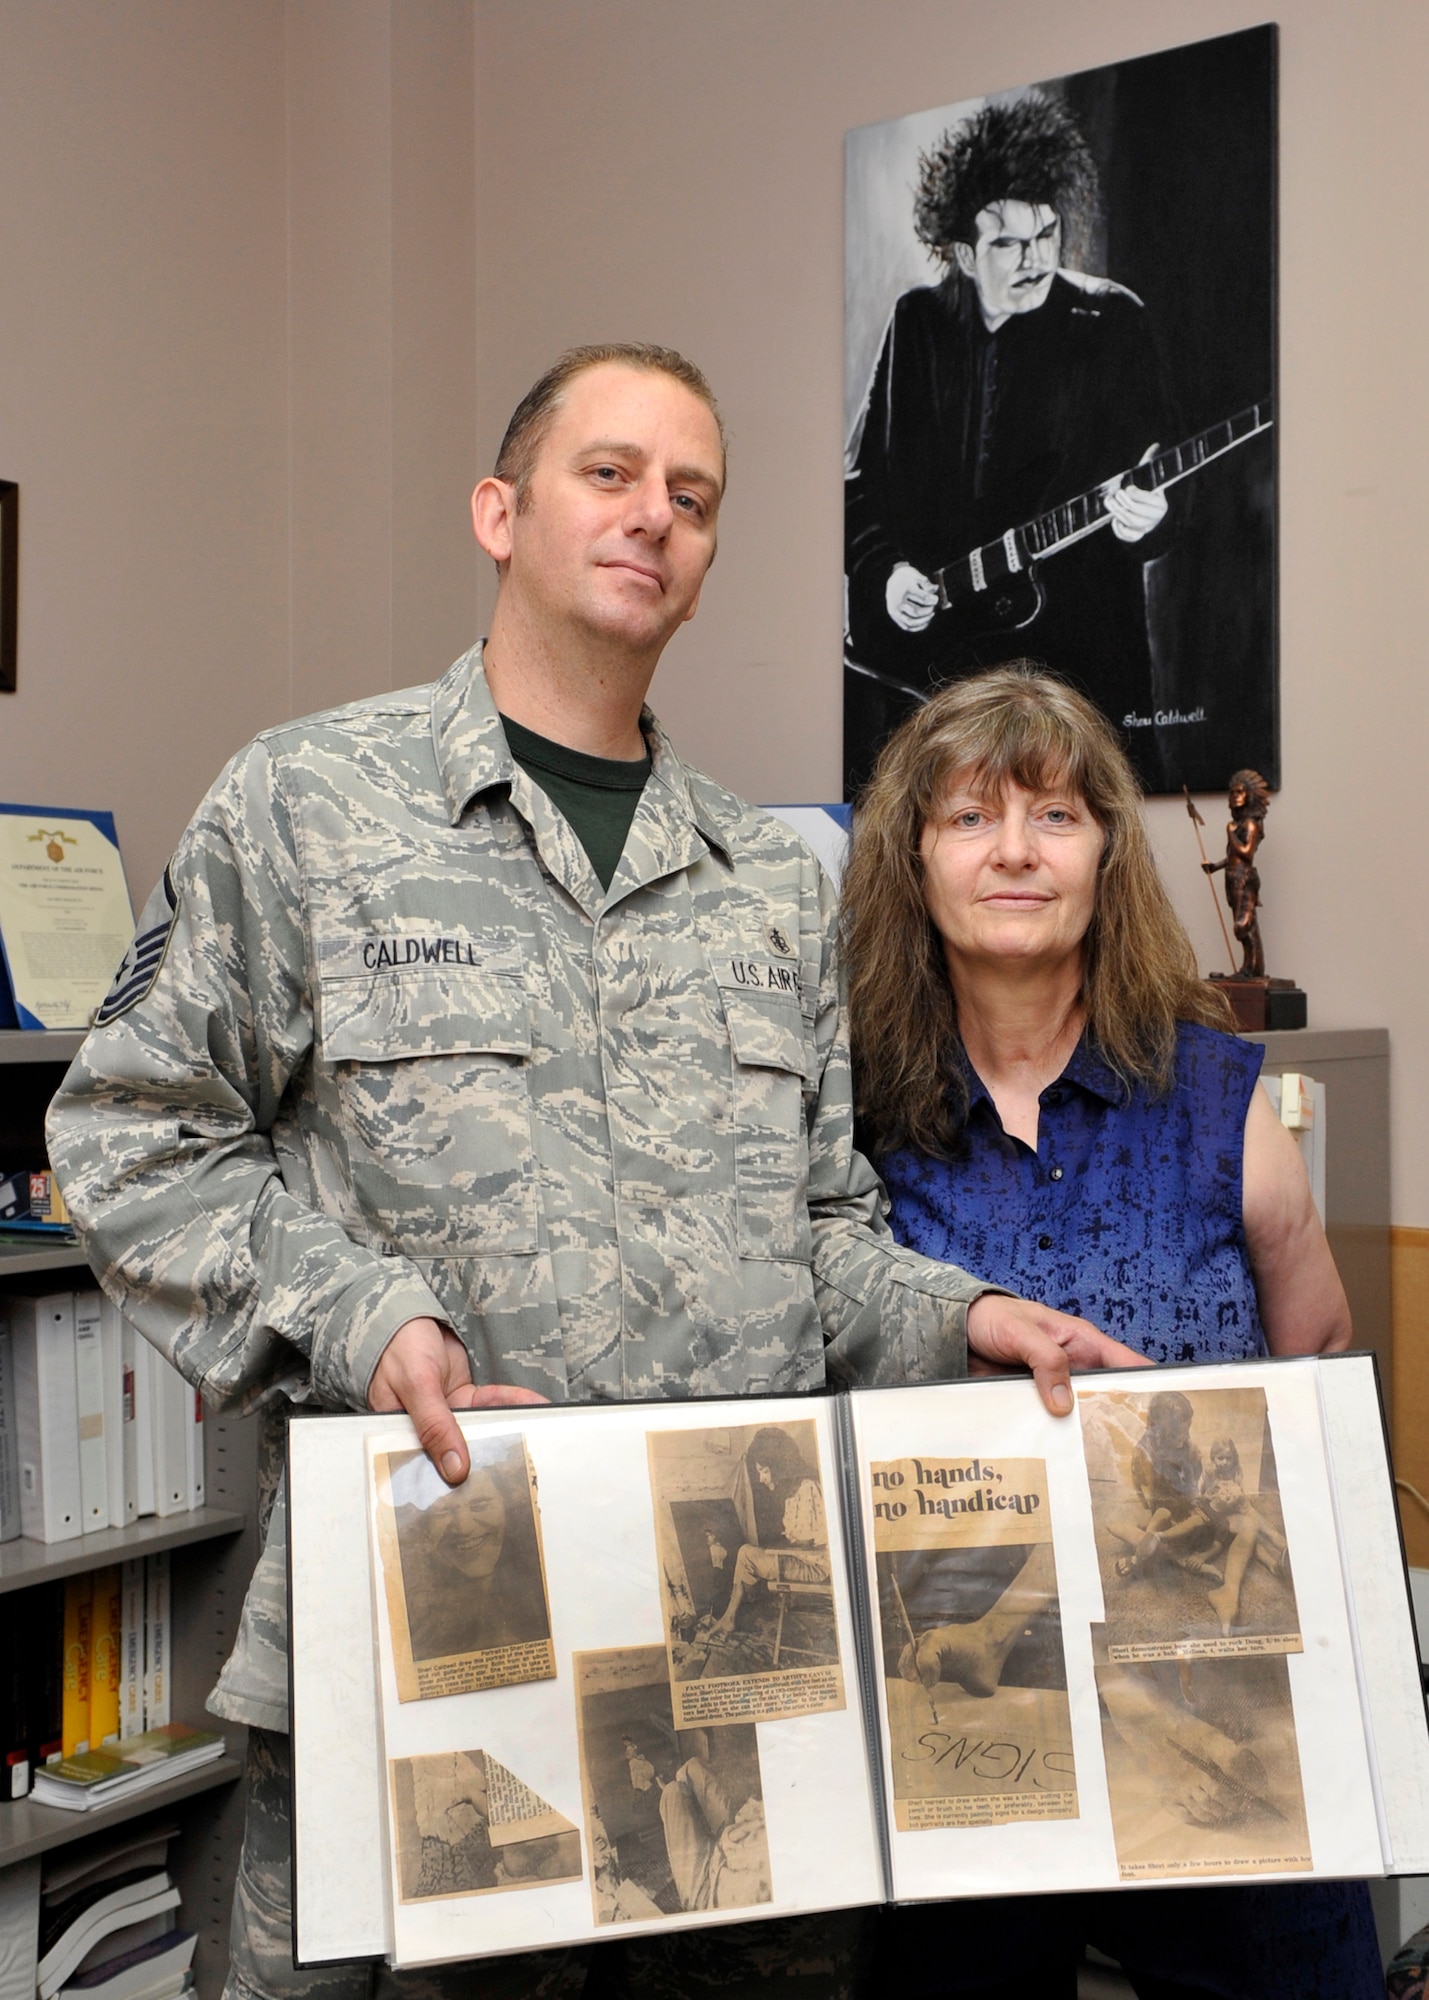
(1073, 519)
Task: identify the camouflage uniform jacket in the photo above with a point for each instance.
(403, 1056)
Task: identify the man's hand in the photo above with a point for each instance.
(424, 1371)
(1010, 1333)
(1134, 512)
(911, 598)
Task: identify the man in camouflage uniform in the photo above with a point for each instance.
(413, 1094)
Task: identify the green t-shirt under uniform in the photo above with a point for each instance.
(598, 795)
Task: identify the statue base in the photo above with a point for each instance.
(1262, 1005)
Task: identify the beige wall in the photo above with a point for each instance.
(237, 378)
(142, 400)
(274, 274)
(675, 173)
(382, 378)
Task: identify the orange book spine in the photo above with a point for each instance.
(79, 1614)
(105, 1659)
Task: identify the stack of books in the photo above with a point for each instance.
(104, 1777)
(108, 1922)
(96, 1427)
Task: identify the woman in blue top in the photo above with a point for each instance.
(1049, 1091)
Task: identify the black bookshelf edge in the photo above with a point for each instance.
(28, 1829)
(24, 1562)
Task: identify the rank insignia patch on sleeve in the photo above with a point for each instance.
(139, 967)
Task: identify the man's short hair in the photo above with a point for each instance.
(536, 411)
(1028, 151)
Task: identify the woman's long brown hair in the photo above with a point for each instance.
(1014, 725)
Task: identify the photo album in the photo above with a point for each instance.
(672, 1664)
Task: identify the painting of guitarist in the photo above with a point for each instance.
(1061, 437)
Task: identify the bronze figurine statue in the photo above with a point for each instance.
(1249, 800)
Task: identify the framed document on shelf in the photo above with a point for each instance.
(65, 915)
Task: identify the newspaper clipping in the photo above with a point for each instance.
(466, 1826)
(1202, 1765)
(975, 1676)
(674, 1817)
(463, 1571)
(746, 1579)
(1190, 1534)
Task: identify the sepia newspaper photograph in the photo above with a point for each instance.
(975, 1677)
(674, 1817)
(1190, 1534)
(1203, 1766)
(463, 1571)
(746, 1578)
(466, 1826)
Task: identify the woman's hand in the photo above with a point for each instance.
(1013, 1333)
(1303, 1307)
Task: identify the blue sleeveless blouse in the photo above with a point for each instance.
(1128, 1213)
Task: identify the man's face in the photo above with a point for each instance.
(618, 525)
(1012, 262)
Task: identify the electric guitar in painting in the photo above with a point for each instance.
(996, 588)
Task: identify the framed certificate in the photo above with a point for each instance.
(65, 916)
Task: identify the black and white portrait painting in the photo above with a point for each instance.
(1059, 404)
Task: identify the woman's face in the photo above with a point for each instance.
(1010, 879)
(470, 1526)
(1168, 1419)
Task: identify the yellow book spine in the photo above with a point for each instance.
(105, 1660)
(79, 1612)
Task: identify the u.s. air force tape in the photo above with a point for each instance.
(139, 967)
(741, 971)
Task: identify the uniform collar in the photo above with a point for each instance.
(1086, 1067)
(473, 756)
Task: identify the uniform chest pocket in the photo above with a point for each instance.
(432, 1079)
(770, 1072)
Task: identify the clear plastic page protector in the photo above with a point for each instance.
(1111, 1649)
(1391, 1692)
(339, 1855)
(612, 1674)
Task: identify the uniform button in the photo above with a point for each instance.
(1044, 1242)
(1053, 1096)
(1056, 1173)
